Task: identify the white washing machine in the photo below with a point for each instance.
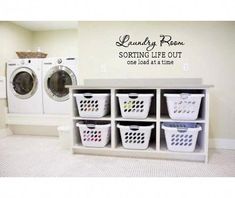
(24, 87)
(58, 72)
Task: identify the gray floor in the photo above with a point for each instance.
(32, 156)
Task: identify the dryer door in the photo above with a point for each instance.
(23, 83)
(55, 81)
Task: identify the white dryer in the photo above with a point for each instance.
(57, 73)
(24, 87)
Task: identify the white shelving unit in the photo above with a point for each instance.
(158, 114)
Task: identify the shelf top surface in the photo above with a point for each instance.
(164, 83)
(142, 87)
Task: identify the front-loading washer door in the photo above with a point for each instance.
(23, 83)
(55, 81)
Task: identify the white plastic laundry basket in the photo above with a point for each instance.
(135, 137)
(92, 105)
(94, 135)
(183, 106)
(134, 105)
(181, 137)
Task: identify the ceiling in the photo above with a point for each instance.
(47, 25)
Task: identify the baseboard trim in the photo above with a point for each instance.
(5, 132)
(222, 143)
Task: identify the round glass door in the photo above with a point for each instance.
(56, 80)
(23, 83)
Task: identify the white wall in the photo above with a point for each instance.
(208, 50)
(57, 42)
(12, 38)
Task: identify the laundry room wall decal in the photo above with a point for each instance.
(149, 51)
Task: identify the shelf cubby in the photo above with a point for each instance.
(77, 142)
(200, 144)
(164, 111)
(152, 110)
(75, 111)
(152, 141)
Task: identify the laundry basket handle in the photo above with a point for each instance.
(184, 95)
(182, 129)
(87, 95)
(90, 126)
(134, 127)
(133, 95)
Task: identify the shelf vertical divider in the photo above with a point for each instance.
(206, 140)
(113, 114)
(158, 116)
(72, 110)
